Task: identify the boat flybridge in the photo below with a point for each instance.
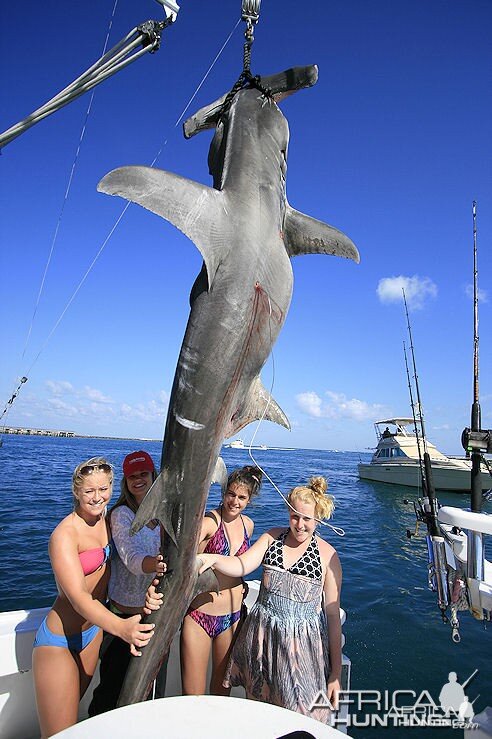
(396, 460)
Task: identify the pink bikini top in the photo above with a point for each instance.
(219, 543)
(92, 559)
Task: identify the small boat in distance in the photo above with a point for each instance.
(239, 444)
(396, 460)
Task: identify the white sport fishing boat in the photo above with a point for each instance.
(239, 444)
(396, 460)
(181, 716)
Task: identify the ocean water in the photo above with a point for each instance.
(394, 634)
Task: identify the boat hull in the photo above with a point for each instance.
(454, 479)
(18, 716)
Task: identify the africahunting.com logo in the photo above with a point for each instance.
(363, 708)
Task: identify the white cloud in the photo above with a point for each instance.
(59, 407)
(483, 296)
(309, 403)
(148, 412)
(338, 406)
(95, 395)
(60, 387)
(417, 290)
(64, 403)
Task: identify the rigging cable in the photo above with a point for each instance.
(58, 224)
(67, 190)
(127, 205)
(147, 34)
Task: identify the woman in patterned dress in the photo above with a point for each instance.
(289, 648)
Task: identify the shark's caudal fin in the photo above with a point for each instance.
(190, 206)
(257, 404)
(306, 235)
(279, 86)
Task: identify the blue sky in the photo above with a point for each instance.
(391, 146)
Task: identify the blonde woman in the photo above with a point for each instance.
(289, 648)
(67, 643)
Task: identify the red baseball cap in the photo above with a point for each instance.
(137, 462)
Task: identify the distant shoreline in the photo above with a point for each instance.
(58, 433)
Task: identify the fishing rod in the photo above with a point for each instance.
(415, 425)
(475, 441)
(427, 479)
(436, 551)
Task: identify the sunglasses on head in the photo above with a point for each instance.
(89, 468)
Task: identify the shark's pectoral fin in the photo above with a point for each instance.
(155, 506)
(257, 404)
(190, 206)
(206, 583)
(306, 235)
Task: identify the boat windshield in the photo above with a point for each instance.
(394, 427)
(390, 452)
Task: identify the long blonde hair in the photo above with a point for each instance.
(314, 492)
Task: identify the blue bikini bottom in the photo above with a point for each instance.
(74, 642)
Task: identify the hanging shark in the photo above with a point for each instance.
(246, 232)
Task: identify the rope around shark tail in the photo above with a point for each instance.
(250, 14)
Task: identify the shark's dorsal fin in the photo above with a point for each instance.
(255, 403)
(306, 235)
(190, 206)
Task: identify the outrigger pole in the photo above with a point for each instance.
(147, 35)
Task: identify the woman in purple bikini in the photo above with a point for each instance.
(67, 643)
(213, 618)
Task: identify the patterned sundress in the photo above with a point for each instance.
(281, 653)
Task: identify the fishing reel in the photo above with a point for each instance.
(477, 441)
